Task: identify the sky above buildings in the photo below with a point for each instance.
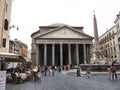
(28, 15)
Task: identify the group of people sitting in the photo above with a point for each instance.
(21, 73)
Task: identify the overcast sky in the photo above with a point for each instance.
(28, 15)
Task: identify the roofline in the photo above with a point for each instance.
(68, 27)
(107, 31)
(55, 27)
(35, 32)
(63, 25)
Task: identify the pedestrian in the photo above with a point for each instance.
(88, 72)
(59, 68)
(78, 71)
(66, 68)
(45, 70)
(42, 70)
(113, 71)
(53, 70)
(38, 76)
(49, 70)
(109, 72)
(71, 66)
(35, 71)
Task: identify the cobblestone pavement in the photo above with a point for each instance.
(68, 82)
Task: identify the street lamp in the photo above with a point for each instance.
(13, 26)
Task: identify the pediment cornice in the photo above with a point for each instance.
(63, 32)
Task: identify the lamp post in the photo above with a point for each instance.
(13, 26)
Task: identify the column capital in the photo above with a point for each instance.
(45, 45)
(53, 45)
(61, 45)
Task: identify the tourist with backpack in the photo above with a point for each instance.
(113, 72)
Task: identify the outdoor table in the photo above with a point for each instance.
(23, 76)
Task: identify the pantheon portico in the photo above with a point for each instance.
(60, 44)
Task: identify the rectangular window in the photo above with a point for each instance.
(6, 24)
(6, 7)
(4, 42)
(119, 39)
(119, 47)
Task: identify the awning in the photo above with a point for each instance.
(8, 55)
(11, 57)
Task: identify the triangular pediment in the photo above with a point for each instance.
(64, 32)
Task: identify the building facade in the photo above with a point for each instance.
(5, 15)
(109, 44)
(60, 44)
(18, 47)
(117, 25)
(110, 41)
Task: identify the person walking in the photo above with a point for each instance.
(59, 68)
(35, 71)
(53, 70)
(42, 70)
(49, 70)
(45, 70)
(88, 72)
(109, 72)
(78, 71)
(113, 71)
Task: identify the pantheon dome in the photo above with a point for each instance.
(58, 24)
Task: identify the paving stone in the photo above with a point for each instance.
(68, 82)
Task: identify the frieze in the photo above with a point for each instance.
(63, 41)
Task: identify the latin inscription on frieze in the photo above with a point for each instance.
(64, 41)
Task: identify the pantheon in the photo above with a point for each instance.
(60, 44)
